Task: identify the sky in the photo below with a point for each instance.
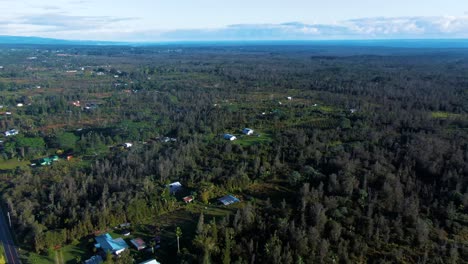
(192, 20)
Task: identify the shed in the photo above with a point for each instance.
(188, 199)
(228, 199)
(96, 259)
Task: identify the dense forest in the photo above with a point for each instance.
(360, 154)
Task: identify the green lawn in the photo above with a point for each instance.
(261, 138)
(12, 164)
(67, 254)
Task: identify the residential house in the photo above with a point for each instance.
(175, 187)
(247, 131)
(11, 132)
(150, 261)
(228, 199)
(138, 243)
(108, 244)
(229, 137)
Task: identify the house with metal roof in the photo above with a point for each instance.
(108, 244)
(228, 199)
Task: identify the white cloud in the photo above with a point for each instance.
(62, 25)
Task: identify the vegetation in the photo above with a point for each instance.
(367, 161)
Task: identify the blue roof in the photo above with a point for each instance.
(228, 199)
(108, 244)
(94, 260)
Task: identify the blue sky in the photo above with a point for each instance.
(157, 20)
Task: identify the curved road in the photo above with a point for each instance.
(7, 240)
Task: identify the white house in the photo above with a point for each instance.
(229, 137)
(175, 187)
(289, 98)
(11, 132)
(247, 131)
(20, 105)
(127, 145)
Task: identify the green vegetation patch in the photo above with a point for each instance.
(13, 164)
(444, 115)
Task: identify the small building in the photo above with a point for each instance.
(150, 261)
(289, 98)
(45, 161)
(228, 199)
(96, 259)
(229, 137)
(19, 104)
(175, 187)
(127, 145)
(125, 232)
(188, 199)
(11, 132)
(108, 244)
(247, 131)
(352, 110)
(125, 225)
(138, 243)
(54, 158)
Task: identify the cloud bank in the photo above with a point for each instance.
(61, 25)
(365, 28)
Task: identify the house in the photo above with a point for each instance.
(150, 261)
(138, 243)
(127, 145)
(45, 162)
(108, 244)
(11, 132)
(174, 187)
(188, 199)
(228, 199)
(247, 131)
(96, 259)
(229, 137)
(19, 105)
(352, 110)
(54, 158)
(289, 98)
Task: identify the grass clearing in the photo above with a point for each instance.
(260, 138)
(444, 115)
(12, 164)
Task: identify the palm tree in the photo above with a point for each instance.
(178, 234)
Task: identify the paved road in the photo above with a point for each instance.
(7, 240)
